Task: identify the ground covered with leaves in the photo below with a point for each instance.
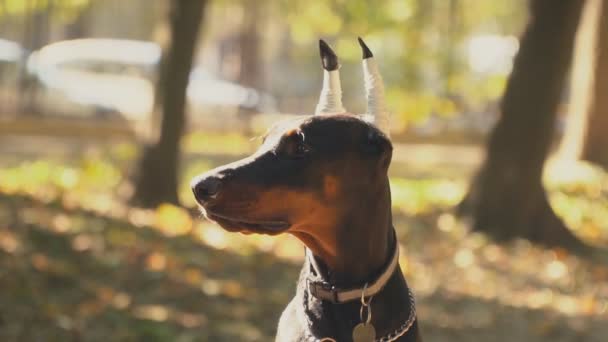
(79, 264)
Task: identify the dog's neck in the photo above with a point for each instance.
(357, 247)
(356, 254)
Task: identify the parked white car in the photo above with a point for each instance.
(115, 78)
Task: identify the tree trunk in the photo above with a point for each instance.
(250, 71)
(450, 41)
(36, 34)
(507, 198)
(595, 145)
(157, 178)
(250, 68)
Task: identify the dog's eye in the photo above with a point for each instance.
(298, 149)
(301, 149)
(294, 146)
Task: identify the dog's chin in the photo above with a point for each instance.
(247, 226)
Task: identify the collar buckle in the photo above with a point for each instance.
(323, 291)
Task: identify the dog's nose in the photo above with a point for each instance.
(206, 189)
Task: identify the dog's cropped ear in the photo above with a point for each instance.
(378, 145)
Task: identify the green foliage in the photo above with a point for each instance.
(63, 9)
(421, 43)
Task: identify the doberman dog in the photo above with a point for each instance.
(323, 179)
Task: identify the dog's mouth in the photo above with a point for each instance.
(233, 224)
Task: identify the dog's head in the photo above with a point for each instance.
(309, 172)
(305, 173)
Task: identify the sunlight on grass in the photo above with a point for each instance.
(578, 192)
(229, 144)
(283, 246)
(49, 179)
(415, 196)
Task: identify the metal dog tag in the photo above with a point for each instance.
(364, 333)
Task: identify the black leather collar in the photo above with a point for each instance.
(323, 290)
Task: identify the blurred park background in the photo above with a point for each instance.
(108, 108)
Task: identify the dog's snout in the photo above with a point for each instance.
(207, 188)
